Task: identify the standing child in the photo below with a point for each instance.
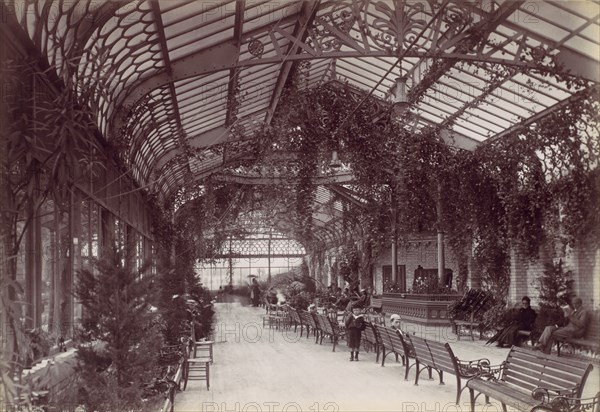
(355, 324)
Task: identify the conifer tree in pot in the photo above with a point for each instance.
(120, 334)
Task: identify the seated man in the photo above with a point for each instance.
(395, 321)
(578, 322)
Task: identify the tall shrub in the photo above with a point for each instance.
(555, 287)
(120, 334)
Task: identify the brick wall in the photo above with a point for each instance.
(583, 261)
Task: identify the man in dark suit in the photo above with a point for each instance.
(578, 323)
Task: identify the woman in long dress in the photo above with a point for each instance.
(524, 320)
(254, 292)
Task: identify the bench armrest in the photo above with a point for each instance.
(547, 395)
(473, 367)
(568, 403)
(490, 372)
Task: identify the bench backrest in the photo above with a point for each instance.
(370, 335)
(294, 314)
(384, 336)
(528, 370)
(435, 354)
(323, 323)
(308, 319)
(391, 340)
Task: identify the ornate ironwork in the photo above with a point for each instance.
(256, 48)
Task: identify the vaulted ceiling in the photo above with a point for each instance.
(180, 75)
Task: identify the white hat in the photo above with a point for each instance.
(395, 316)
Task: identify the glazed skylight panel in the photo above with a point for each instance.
(584, 46)
(193, 16)
(253, 109)
(592, 34)
(211, 102)
(206, 99)
(569, 27)
(497, 120)
(181, 44)
(252, 123)
(367, 73)
(202, 101)
(551, 95)
(196, 165)
(429, 117)
(256, 86)
(347, 73)
(557, 88)
(204, 82)
(199, 30)
(473, 129)
(201, 125)
(504, 95)
(528, 97)
(252, 79)
(28, 15)
(259, 13)
(199, 118)
(492, 124)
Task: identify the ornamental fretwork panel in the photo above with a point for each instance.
(261, 247)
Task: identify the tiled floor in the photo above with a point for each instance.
(263, 369)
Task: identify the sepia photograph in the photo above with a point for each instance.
(299, 206)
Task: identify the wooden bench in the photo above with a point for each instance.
(528, 379)
(309, 322)
(590, 341)
(329, 328)
(393, 342)
(371, 340)
(432, 355)
(295, 319)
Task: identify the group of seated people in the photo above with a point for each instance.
(346, 299)
(575, 324)
(576, 320)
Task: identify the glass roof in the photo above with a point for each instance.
(181, 75)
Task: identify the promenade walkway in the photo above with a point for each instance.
(263, 369)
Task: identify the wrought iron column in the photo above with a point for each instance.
(440, 239)
(394, 211)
